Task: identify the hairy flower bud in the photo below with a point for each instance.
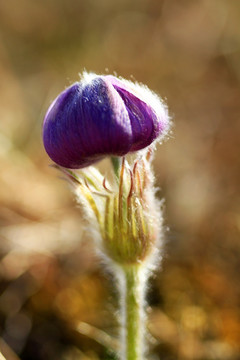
(102, 116)
(125, 214)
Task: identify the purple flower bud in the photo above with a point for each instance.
(102, 116)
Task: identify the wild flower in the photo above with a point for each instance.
(105, 116)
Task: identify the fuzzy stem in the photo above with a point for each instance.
(132, 292)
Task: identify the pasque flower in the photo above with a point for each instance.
(106, 116)
(102, 116)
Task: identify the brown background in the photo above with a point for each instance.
(188, 51)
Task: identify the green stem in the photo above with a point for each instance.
(132, 312)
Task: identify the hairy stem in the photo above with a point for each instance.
(132, 292)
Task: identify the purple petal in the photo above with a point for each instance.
(101, 116)
(146, 125)
(86, 123)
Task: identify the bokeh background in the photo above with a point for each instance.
(56, 301)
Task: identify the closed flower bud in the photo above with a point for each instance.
(102, 116)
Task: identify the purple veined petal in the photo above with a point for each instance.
(147, 114)
(106, 124)
(60, 138)
(143, 121)
(85, 123)
(102, 116)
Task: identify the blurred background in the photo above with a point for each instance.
(56, 302)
